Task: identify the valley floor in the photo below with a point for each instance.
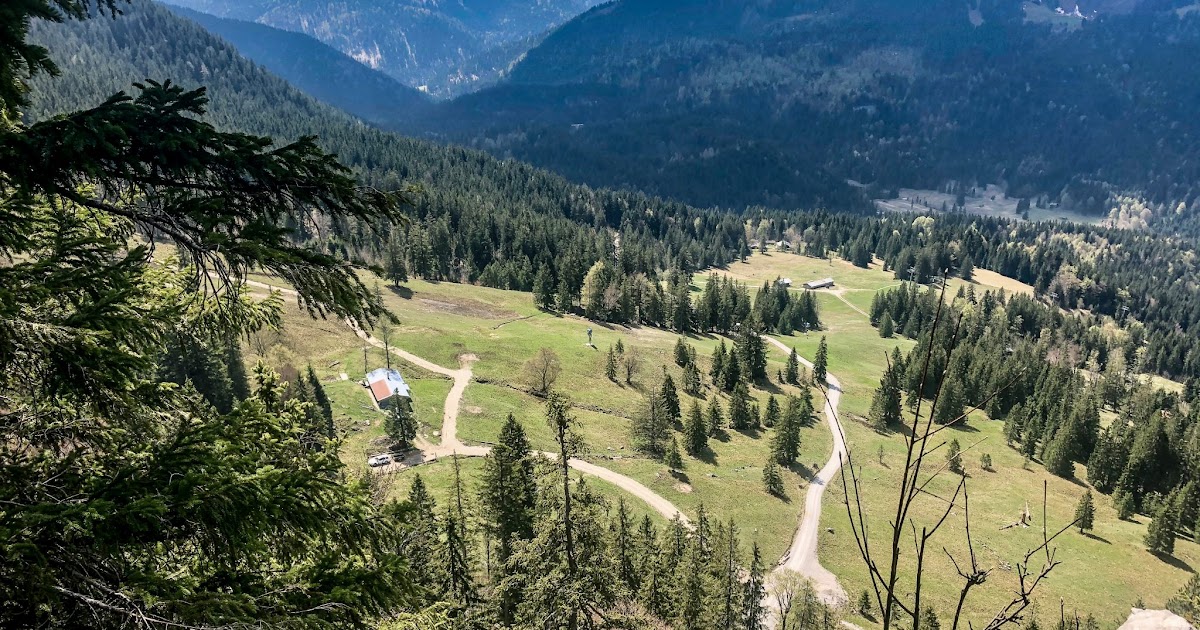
(449, 325)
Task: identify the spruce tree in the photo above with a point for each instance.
(692, 381)
(321, 399)
(456, 561)
(400, 424)
(610, 365)
(886, 328)
(732, 375)
(950, 404)
(929, 619)
(1058, 455)
(966, 271)
(714, 420)
(864, 604)
(739, 408)
(791, 374)
(651, 427)
(543, 288)
(682, 356)
(691, 579)
(654, 573)
(725, 600)
(954, 457)
(754, 591)
(821, 362)
(563, 298)
(1160, 535)
(1124, 504)
(1185, 603)
(1085, 512)
(423, 534)
(673, 459)
(885, 405)
(695, 431)
(785, 443)
(625, 548)
(669, 397)
(719, 357)
(508, 488)
(751, 350)
(567, 569)
(772, 414)
(772, 479)
(235, 367)
(190, 360)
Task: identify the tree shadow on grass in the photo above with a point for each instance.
(804, 471)
(1078, 482)
(1173, 561)
(708, 456)
(721, 436)
(680, 476)
(1097, 538)
(751, 432)
(772, 388)
(401, 292)
(960, 427)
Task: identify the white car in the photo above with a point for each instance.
(379, 460)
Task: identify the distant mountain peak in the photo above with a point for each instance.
(443, 46)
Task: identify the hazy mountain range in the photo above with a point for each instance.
(795, 103)
(442, 46)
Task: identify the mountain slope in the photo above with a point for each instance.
(779, 102)
(477, 219)
(317, 69)
(444, 46)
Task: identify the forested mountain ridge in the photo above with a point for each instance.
(319, 70)
(508, 225)
(778, 103)
(446, 47)
(478, 219)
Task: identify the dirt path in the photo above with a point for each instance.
(841, 295)
(801, 557)
(451, 446)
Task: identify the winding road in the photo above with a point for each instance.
(801, 557)
(450, 445)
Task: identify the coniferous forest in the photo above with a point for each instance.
(149, 480)
(500, 223)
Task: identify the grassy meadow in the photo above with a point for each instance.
(1103, 573)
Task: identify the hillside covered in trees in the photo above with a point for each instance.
(781, 103)
(502, 223)
(317, 69)
(149, 481)
(444, 48)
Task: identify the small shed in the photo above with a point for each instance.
(786, 282)
(388, 386)
(823, 283)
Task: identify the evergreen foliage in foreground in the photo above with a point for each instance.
(131, 500)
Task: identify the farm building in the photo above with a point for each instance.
(387, 386)
(824, 283)
(786, 282)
